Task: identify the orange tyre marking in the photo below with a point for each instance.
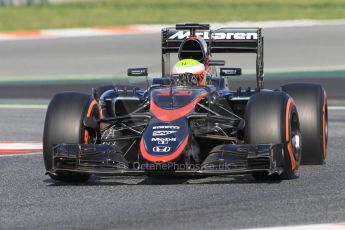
(288, 141)
(88, 114)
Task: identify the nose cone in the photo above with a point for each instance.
(164, 141)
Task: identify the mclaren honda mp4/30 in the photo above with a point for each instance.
(180, 126)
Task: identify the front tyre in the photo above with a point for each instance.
(311, 102)
(272, 118)
(64, 124)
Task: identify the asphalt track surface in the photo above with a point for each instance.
(30, 200)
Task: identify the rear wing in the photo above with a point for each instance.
(223, 40)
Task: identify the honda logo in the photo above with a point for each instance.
(161, 149)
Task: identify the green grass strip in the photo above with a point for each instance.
(118, 12)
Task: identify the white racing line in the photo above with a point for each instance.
(337, 226)
(22, 106)
(19, 149)
(336, 107)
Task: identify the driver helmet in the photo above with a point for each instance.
(191, 66)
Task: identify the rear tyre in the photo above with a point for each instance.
(311, 102)
(64, 124)
(272, 118)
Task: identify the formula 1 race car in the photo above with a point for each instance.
(188, 123)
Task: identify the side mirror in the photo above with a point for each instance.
(137, 72)
(225, 72)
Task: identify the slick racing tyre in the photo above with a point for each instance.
(64, 124)
(311, 103)
(272, 118)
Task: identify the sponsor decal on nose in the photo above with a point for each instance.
(161, 149)
(162, 133)
(163, 141)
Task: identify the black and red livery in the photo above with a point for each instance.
(177, 127)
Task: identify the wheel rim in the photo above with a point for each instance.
(295, 136)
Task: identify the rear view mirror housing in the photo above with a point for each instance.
(216, 62)
(137, 72)
(225, 72)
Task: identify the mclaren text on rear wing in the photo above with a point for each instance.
(217, 35)
(225, 40)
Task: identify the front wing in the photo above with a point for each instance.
(228, 159)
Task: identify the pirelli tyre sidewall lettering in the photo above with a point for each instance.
(180, 35)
